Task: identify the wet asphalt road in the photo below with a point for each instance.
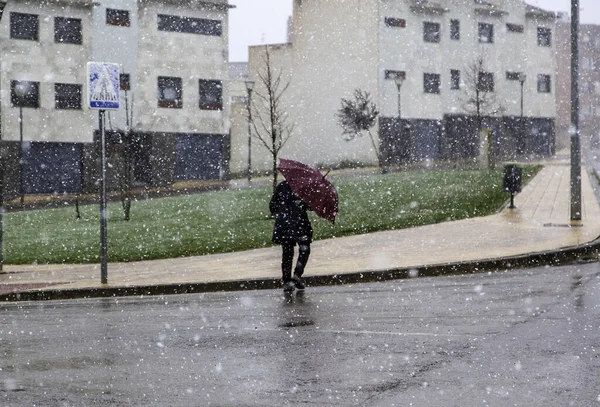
(518, 338)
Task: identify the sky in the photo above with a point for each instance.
(257, 22)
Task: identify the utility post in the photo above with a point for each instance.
(574, 130)
(249, 88)
(522, 78)
(2, 158)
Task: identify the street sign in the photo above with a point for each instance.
(103, 85)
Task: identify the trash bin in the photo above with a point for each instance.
(512, 181)
(512, 178)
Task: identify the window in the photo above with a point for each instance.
(431, 31)
(395, 22)
(543, 83)
(67, 30)
(544, 37)
(515, 28)
(211, 95)
(512, 76)
(486, 32)
(389, 74)
(485, 82)
(431, 83)
(2, 5)
(454, 79)
(24, 26)
(454, 29)
(170, 92)
(189, 25)
(124, 81)
(67, 96)
(117, 17)
(30, 97)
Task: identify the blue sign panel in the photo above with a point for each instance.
(103, 85)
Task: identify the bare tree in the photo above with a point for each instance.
(479, 99)
(124, 157)
(126, 152)
(357, 116)
(270, 120)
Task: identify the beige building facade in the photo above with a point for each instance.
(174, 114)
(338, 46)
(42, 45)
(44, 48)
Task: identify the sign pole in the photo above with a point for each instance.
(103, 213)
(103, 94)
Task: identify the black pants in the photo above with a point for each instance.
(287, 260)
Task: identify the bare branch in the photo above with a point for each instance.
(270, 126)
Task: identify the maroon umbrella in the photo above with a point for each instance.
(312, 187)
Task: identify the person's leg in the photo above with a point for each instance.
(303, 254)
(287, 259)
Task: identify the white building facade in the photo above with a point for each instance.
(339, 46)
(174, 58)
(174, 110)
(44, 48)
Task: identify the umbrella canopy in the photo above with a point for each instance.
(312, 187)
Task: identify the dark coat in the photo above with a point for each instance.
(291, 220)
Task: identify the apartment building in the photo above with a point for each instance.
(174, 59)
(339, 46)
(589, 84)
(181, 109)
(44, 48)
(174, 114)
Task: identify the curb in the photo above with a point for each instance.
(584, 253)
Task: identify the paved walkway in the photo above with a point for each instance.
(539, 225)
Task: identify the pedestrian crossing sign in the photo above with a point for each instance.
(103, 85)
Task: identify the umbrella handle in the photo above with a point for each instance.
(327, 173)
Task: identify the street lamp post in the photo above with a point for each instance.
(400, 77)
(2, 159)
(249, 88)
(522, 78)
(574, 130)
(21, 91)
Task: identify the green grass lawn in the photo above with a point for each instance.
(232, 220)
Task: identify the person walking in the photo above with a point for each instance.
(292, 227)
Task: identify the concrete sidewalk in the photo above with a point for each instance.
(538, 231)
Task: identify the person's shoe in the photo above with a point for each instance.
(289, 286)
(298, 283)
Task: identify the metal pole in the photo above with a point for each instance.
(399, 103)
(1, 206)
(523, 143)
(103, 214)
(249, 135)
(2, 159)
(21, 156)
(574, 131)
